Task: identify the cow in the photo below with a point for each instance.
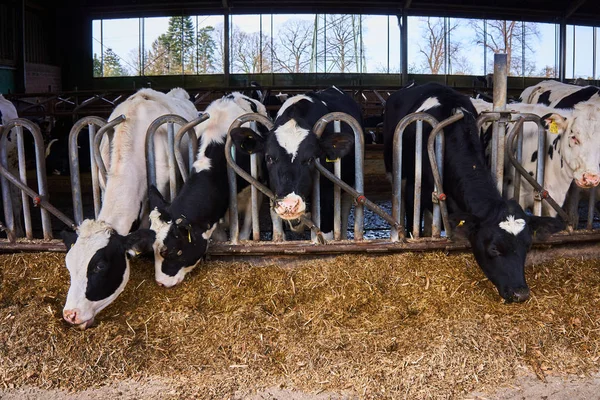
(499, 231)
(7, 113)
(559, 95)
(572, 140)
(183, 228)
(97, 253)
(57, 149)
(272, 102)
(291, 148)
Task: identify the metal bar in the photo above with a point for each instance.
(591, 208)
(254, 191)
(6, 195)
(234, 228)
(437, 176)
(398, 232)
(541, 166)
(500, 85)
(416, 230)
(23, 177)
(337, 191)
(94, 172)
(517, 177)
(171, 160)
(192, 137)
(98, 139)
(544, 193)
(436, 229)
(316, 199)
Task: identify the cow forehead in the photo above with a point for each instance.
(160, 227)
(289, 136)
(84, 249)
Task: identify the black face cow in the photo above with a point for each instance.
(499, 231)
(291, 148)
(184, 227)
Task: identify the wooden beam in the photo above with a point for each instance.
(574, 7)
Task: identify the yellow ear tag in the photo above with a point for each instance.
(461, 223)
(553, 127)
(72, 244)
(328, 160)
(189, 237)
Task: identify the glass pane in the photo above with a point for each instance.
(394, 45)
(584, 52)
(597, 39)
(156, 60)
(117, 53)
(375, 39)
(208, 37)
(570, 55)
(543, 55)
(343, 43)
(293, 39)
(416, 61)
(248, 53)
(466, 55)
(97, 47)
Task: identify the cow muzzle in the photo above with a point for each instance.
(291, 207)
(588, 180)
(73, 317)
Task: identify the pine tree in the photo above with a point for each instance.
(206, 50)
(112, 64)
(97, 66)
(158, 60)
(181, 40)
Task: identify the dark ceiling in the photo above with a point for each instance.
(580, 12)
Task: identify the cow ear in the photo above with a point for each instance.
(140, 241)
(156, 199)
(247, 141)
(336, 145)
(69, 238)
(463, 224)
(554, 123)
(541, 227)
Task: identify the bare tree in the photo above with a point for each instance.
(548, 72)
(508, 37)
(250, 52)
(343, 42)
(294, 42)
(438, 47)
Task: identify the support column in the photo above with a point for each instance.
(20, 73)
(562, 50)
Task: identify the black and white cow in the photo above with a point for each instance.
(184, 227)
(7, 113)
(573, 143)
(291, 148)
(96, 257)
(272, 102)
(559, 95)
(499, 232)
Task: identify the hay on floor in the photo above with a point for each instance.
(404, 325)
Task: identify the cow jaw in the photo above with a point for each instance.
(169, 281)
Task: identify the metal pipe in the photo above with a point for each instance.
(316, 199)
(591, 208)
(436, 229)
(337, 191)
(543, 192)
(416, 228)
(437, 177)
(359, 145)
(254, 192)
(193, 144)
(91, 122)
(23, 176)
(500, 85)
(98, 139)
(171, 160)
(398, 229)
(541, 165)
(6, 195)
(234, 228)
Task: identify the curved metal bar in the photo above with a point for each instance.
(437, 178)
(359, 149)
(189, 128)
(398, 228)
(539, 188)
(6, 195)
(40, 165)
(98, 139)
(74, 166)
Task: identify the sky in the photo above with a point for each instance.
(123, 36)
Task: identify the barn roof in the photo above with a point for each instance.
(579, 12)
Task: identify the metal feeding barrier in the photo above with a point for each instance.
(13, 212)
(174, 160)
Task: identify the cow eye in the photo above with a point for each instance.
(163, 252)
(270, 160)
(574, 140)
(98, 268)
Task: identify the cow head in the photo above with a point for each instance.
(290, 151)
(179, 245)
(99, 268)
(580, 143)
(500, 245)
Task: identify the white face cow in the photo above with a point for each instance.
(97, 246)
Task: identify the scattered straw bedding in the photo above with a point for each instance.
(404, 325)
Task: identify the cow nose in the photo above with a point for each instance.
(72, 316)
(160, 284)
(591, 179)
(520, 295)
(287, 204)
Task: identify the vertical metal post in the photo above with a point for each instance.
(316, 202)
(498, 142)
(562, 50)
(23, 178)
(234, 229)
(388, 44)
(95, 183)
(397, 199)
(574, 48)
(404, 46)
(541, 165)
(594, 49)
(418, 180)
(337, 192)
(485, 47)
(171, 160)
(359, 160)
(517, 176)
(254, 191)
(6, 195)
(226, 47)
(436, 229)
(591, 208)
